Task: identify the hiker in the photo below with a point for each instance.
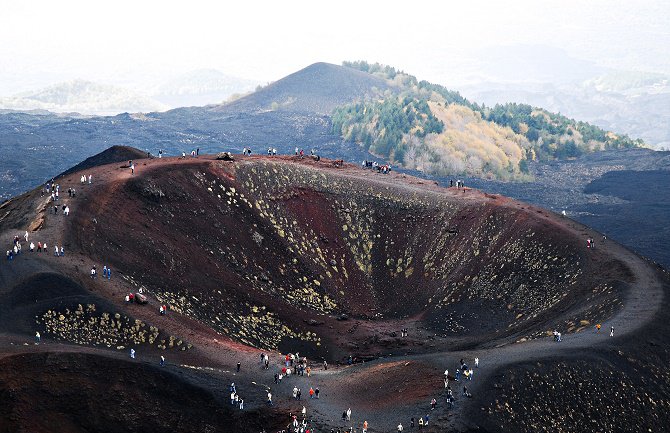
(132, 353)
(56, 250)
(38, 337)
(411, 423)
(295, 392)
(365, 426)
(109, 275)
(316, 392)
(311, 392)
(433, 403)
(161, 310)
(425, 420)
(232, 397)
(420, 422)
(400, 427)
(241, 404)
(325, 365)
(93, 273)
(299, 393)
(132, 169)
(598, 327)
(344, 415)
(611, 331)
(472, 373)
(62, 251)
(269, 398)
(476, 362)
(238, 367)
(349, 414)
(90, 177)
(32, 247)
(162, 361)
(66, 211)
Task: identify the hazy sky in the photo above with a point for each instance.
(138, 43)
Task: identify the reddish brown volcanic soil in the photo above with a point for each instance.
(282, 255)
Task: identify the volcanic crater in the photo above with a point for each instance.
(285, 254)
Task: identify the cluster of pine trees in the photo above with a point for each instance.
(407, 122)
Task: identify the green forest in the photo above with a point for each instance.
(429, 127)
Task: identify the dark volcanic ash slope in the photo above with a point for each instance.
(318, 88)
(108, 156)
(271, 251)
(68, 392)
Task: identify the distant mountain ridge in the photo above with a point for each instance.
(82, 96)
(194, 88)
(201, 87)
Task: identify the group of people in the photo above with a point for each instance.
(17, 249)
(422, 422)
(459, 184)
(83, 178)
(54, 189)
(235, 399)
(380, 168)
(293, 365)
(301, 152)
(106, 272)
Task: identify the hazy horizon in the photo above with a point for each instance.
(135, 45)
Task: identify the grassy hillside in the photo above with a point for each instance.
(438, 131)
